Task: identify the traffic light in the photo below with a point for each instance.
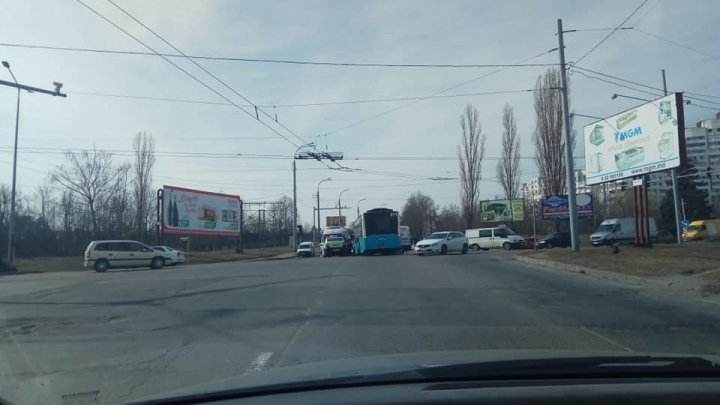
(300, 229)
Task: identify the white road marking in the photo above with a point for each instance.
(260, 361)
(607, 339)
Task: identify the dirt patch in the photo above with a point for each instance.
(658, 261)
(75, 263)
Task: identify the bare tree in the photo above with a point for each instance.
(420, 214)
(470, 156)
(450, 218)
(144, 148)
(90, 175)
(45, 200)
(548, 137)
(508, 167)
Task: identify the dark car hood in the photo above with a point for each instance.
(420, 367)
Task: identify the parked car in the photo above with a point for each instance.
(620, 230)
(104, 254)
(442, 243)
(497, 237)
(306, 249)
(172, 256)
(555, 239)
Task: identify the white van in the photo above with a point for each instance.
(620, 230)
(497, 237)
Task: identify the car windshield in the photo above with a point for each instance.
(335, 183)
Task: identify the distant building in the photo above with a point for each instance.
(532, 189)
(702, 144)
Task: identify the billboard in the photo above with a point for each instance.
(502, 210)
(555, 207)
(645, 139)
(336, 221)
(187, 211)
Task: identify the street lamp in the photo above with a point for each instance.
(318, 202)
(358, 205)
(295, 230)
(615, 95)
(11, 220)
(31, 89)
(340, 205)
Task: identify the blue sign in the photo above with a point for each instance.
(555, 207)
(684, 223)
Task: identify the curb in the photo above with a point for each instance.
(270, 258)
(636, 281)
(577, 269)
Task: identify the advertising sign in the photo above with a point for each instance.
(187, 211)
(502, 210)
(643, 140)
(555, 207)
(335, 221)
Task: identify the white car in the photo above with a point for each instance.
(172, 256)
(306, 249)
(441, 243)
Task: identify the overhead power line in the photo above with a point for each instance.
(688, 95)
(308, 104)
(611, 32)
(670, 41)
(227, 86)
(437, 93)
(279, 61)
(195, 78)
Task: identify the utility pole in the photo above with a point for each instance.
(30, 89)
(294, 169)
(569, 165)
(675, 188)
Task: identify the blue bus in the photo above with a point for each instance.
(377, 231)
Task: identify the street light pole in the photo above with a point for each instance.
(358, 206)
(340, 205)
(18, 86)
(11, 220)
(318, 203)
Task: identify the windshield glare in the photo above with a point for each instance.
(300, 159)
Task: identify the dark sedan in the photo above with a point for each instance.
(555, 239)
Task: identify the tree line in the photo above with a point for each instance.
(94, 196)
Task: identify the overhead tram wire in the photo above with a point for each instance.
(611, 32)
(185, 71)
(309, 104)
(453, 87)
(688, 95)
(670, 41)
(283, 61)
(227, 86)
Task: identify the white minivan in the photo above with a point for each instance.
(620, 230)
(497, 237)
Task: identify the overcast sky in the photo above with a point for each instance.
(397, 32)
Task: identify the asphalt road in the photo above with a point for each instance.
(129, 333)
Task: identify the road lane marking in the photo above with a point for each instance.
(607, 339)
(260, 361)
